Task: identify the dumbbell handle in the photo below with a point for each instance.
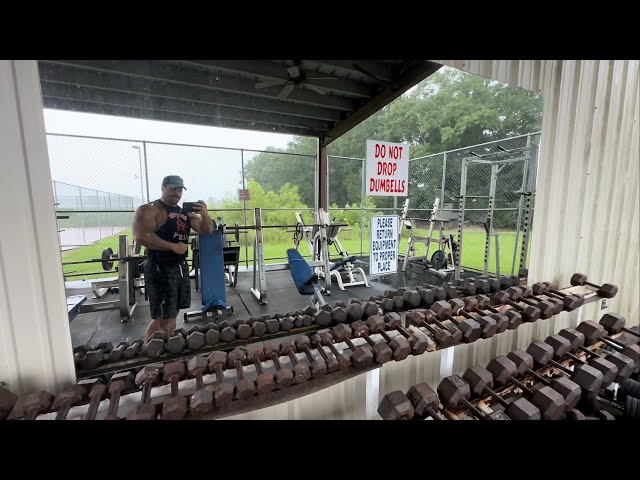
(629, 331)
(276, 361)
(514, 304)
(555, 292)
(219, 375)
(239, 371)
(561, 367)
(323, 354)
(64, 409)
(308, 354)
(449, 317)
(350, 344)
(368, 339)
(611, 342)
(466, 315)
(114, 400)
(520, 386)
(384, 335)
(199, 373)
(441, 325)
(256, 362)
(333, 349)
(146, 392)
(403, 331)
(423, 323)
(434, 414)
(175, 379)
(292, 356)
(474, 410)
(495, 396)
(93, 408)
(538, 377)
(576, 359)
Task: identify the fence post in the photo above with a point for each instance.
(244, 212)
(146, 170)
(444, 175)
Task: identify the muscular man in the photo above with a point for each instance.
(164, 228)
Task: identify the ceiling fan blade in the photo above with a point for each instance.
(313, 88)
(294, 72)
(286, 90)
(270, 83)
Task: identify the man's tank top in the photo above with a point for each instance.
(176, 229)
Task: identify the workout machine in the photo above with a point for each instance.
(442, 261)
(318, 238)
(305, 279)
(497, 161)
(128, 282)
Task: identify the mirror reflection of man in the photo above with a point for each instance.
(164, 228)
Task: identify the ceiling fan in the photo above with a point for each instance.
(297, 78)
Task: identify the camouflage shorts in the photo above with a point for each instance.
(168, 288)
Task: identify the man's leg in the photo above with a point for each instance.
(154, 325)
(154, 284)
(168, 326)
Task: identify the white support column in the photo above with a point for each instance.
(35, 344)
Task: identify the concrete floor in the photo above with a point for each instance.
(282, 297)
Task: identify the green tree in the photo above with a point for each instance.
(449, 110)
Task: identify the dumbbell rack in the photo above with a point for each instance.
(295, 391)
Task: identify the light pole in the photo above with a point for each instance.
(141, 185)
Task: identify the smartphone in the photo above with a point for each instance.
(187, 207)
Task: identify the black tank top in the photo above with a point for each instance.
(176, 229)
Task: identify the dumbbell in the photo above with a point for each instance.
(471, 330)
(614, 366)
(301, 371)
(146, 378)
(34, 404)
(116, 354)
(331, 363)
(442, 337)
(361, 357)
(513, 316)
(453, 290)
(571, 300)
(67, 399)
(518, 294)
(488, 325)
(425, 401)
(264, 380)
(589, 378)
(578, 415)
(614, 323)
(594, 332)
(529, 313)
(395, 406)
(454, 393)
(607, 290)
(202, 400)
(570, 390)
(439, 293)
(324, 337)
(399, 345)
(223, 393)
(550, 403)
(156, 345)
(419, 342)
(118, 383)
(543, 303)
(133, 349)
(176, 406)
(480, 382)
(382, 352)
(318, 369)
(494, 285)
(245, 388)
(8, 399)
(430, 317)
(482, 285)
(411, 299)
(628, 388)
(284, 376)
(96, 394)
(471, 304)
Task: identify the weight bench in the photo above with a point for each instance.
(305, 279)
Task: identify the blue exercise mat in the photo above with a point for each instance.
(212, 281)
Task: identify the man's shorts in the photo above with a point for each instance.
(168, 287)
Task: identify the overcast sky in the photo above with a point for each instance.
(115, 167)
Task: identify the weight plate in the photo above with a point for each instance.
(107, 263)
(439, 259)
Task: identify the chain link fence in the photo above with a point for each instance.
(99, 182)
(439, 176)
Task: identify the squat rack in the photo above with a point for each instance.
(497, 161)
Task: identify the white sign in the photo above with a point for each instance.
(383, 258)
(387, 169)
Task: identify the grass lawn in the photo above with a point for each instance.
(472, 252)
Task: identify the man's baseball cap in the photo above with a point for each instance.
(173, 181)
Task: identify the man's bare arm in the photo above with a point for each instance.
(144, 226)
(204, 223)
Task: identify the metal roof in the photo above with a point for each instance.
(320, 98)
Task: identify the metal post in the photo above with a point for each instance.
(99, 221)
(444, 173)
(461, 205)
(82, 216)
(364, 189)
(136, 147)
(146, 169)
(489, 229)
(244, 211)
